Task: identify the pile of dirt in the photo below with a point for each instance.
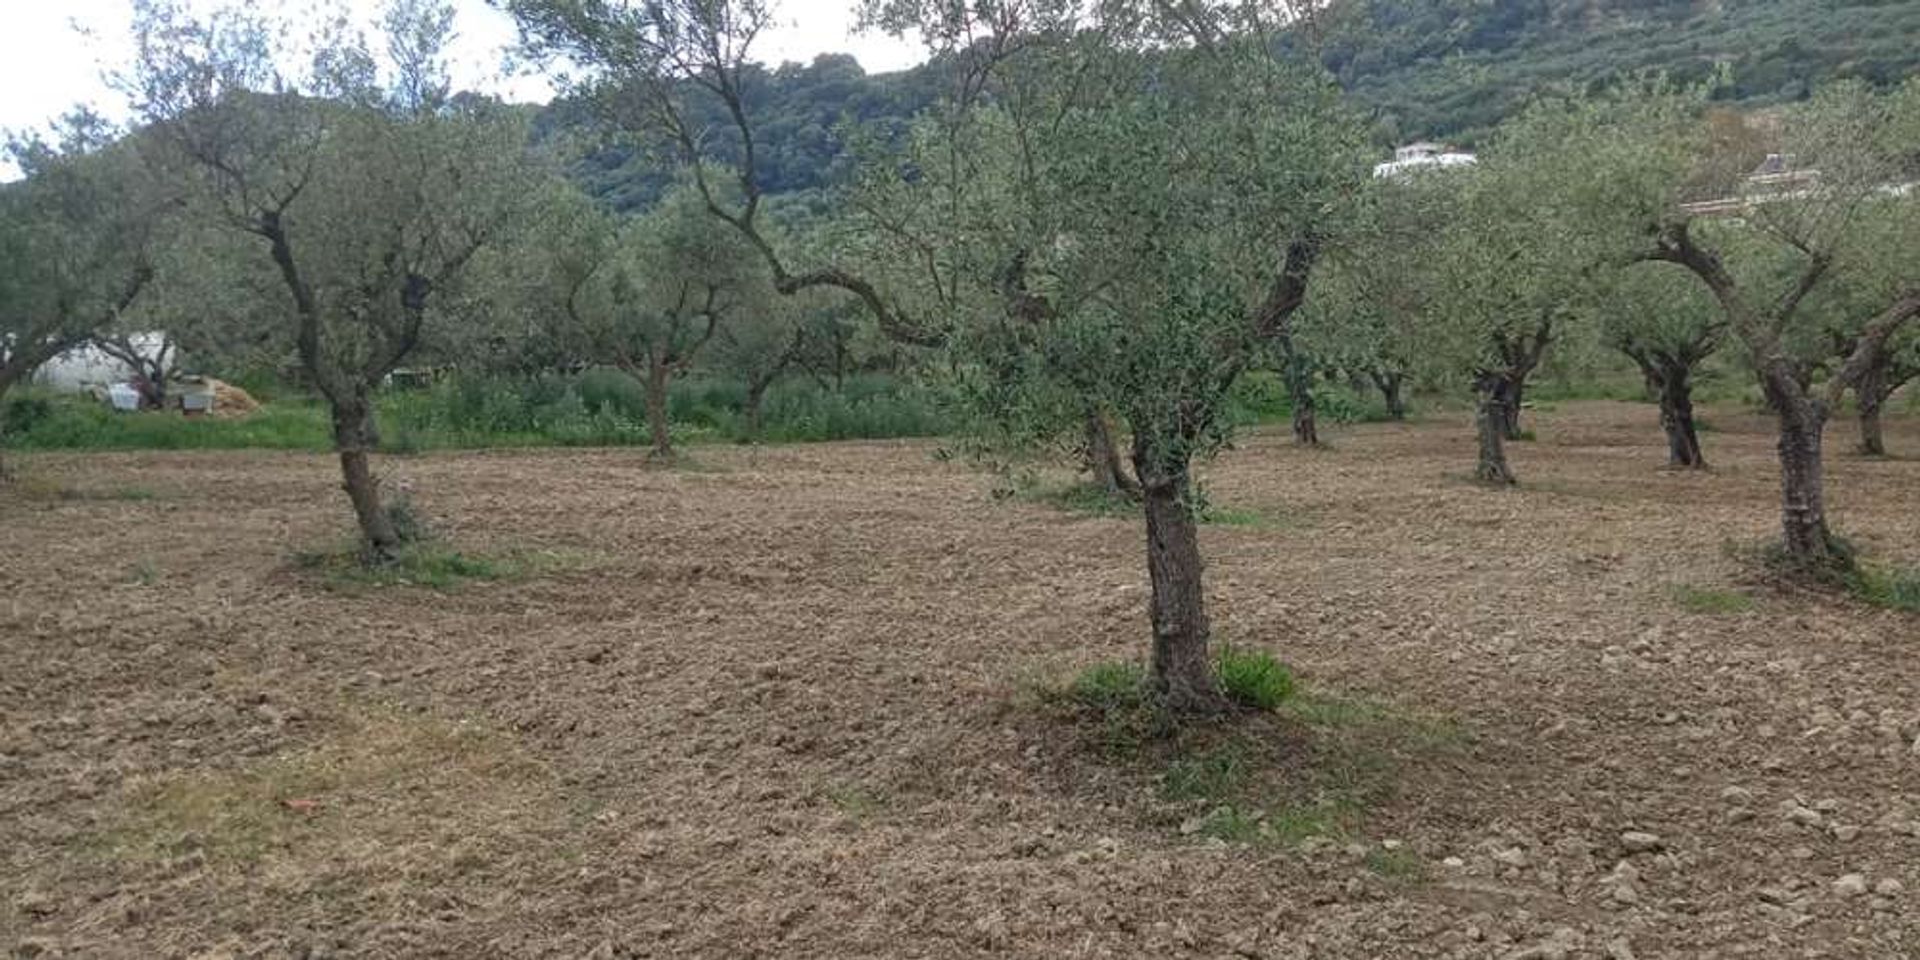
(231, 402)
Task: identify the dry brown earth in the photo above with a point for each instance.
(782, 707)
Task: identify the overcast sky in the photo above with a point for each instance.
(53, 53)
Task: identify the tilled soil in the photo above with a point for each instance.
(782, 706)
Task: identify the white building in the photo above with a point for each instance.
(1415, 157)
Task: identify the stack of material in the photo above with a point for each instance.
(230, 401)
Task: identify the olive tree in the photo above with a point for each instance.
(369, 199)
(1788, 242)
(77, 243)
(1659, 318)
(647, 295)
(1115, 211)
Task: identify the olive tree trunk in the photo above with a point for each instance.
(756, 401)
(658, 376)
(1183, 674)
(1872, 440)
(354, 438)
(1490, 420)
(1103, 457)
(1299, 377)
(1391, 385)
(1514, 392)
(1671, 380)
(1803, 506)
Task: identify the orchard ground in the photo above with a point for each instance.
(802, 702)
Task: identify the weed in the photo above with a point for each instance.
(1896, 588)
(1213, 774)
(856, 801)
(1709, 600)
(1123, 712)
(429, 565)
(1253, 679)
(146, 573)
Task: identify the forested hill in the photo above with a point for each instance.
(1452, 68)
(1427, 68)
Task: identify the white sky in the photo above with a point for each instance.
(55, 53)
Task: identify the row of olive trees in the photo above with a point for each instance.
(1606, 219)
(1117, 210)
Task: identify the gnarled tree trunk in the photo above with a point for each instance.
(1390, 384)
(1182, 668)
(1803, 506)
(354, 438)
(1513, 392)
(1490, 420)
(1671, 380)
(1103, 458)
(1873, 441)
(1306, 424)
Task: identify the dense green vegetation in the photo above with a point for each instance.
(1455, 68)
(1424, 68)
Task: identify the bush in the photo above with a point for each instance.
(1254, 679)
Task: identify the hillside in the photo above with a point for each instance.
(1427, 68)
(1453, 68)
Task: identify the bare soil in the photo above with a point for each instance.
(784, 706)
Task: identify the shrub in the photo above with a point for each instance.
(1254, 679)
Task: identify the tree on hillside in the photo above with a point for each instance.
(77, 242)
(368, 199)
(1662, 321)
(647, 295)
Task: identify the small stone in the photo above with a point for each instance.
(1739, 815)
(1513, 857)
(1739, 795)
(1828, 805)
(36, 904)
(1391, 844)
(1619, 950)
(1803, 816)
(1889, 887)
(1639, 841)
(1625, 893)
(1802, 852)
(1453, 863)
(1850, 885)
(1846, 833)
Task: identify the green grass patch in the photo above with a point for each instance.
(1253, 678)
(1896, 588)
(856, 801)
(1300, 765)
(1709, 600)
(429, 565)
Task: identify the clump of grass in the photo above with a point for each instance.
(146, 573)
(431, 565)
(1213, 774)
(1897, 588)
(1123, 711)
(1253, 678)
(856, 801)
(1710, 600)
